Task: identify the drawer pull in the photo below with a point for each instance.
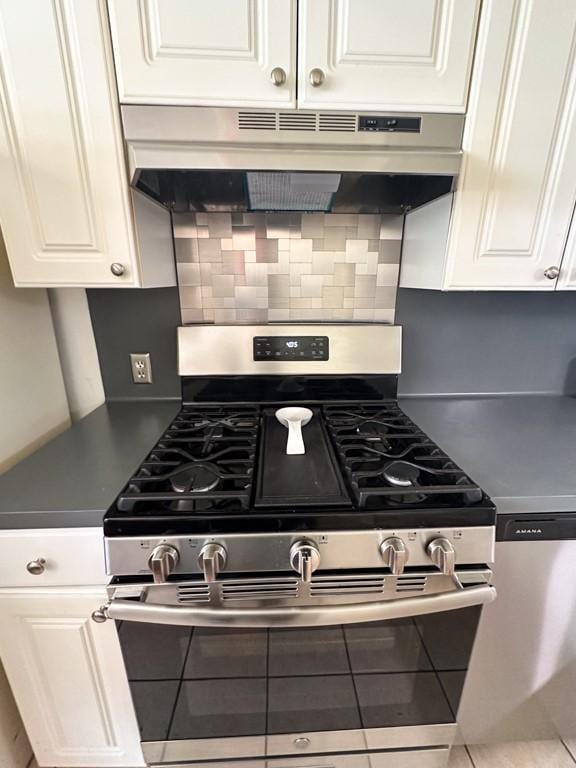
(36, 567)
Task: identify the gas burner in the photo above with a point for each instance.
(197, 478)
(391, 463)
(401, 474)
(203, 462)
(375, 433)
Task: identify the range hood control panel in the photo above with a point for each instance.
(291, 348)
(389, 124)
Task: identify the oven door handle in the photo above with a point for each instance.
(319, 616)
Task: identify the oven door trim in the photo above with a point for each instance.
(320, 742)
(121, 609)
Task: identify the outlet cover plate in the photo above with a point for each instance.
(141, 366)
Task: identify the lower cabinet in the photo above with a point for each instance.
(68, 678)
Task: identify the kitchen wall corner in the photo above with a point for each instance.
(32, 394)
(77, 349)
(136, 320)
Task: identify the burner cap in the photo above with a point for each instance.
(375, 432)
(195, 478)
(401, 474)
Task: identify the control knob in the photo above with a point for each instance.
(442, 554)
(304, 558)
(394, 554)
(162, 561)
(212, 559)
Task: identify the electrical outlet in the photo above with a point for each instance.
(141, 368)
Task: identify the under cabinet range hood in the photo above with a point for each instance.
(224, 159)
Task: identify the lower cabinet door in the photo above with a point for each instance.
(68, 678)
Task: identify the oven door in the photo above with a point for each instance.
(367, 682)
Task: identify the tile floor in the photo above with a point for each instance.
(520, 754)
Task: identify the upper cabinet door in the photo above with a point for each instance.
(65, 208)
(414, 55)
(205, 52)
(516, 193)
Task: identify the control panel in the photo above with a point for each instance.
(291, 348)
(390, 124)
(274, 552)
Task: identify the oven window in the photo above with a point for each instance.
(215, 683)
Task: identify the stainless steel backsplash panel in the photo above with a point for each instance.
(280, 267)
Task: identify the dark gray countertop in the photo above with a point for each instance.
(520, 449)
(73, 479)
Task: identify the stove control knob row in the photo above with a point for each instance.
(212, 559)
(394, 554)
(443, 555)
(162, 561)
(304, 558)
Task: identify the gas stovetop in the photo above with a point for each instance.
(223, 468)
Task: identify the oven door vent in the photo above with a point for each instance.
(193, 593)
(409, 583)
(259, 590)
(347, 585)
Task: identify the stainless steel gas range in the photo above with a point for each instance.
(297, 609)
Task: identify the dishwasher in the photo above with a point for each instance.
(521, 683)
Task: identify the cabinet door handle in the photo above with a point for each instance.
(278, 76)
(36, 567)
(552, 273)
(316, 77)
(117, 269)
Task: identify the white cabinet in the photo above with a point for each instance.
(368, 54)
(516, 193)
(216, 53)
(386, 55)
(66, 556)
(65, 206)
(66, 672)
(68, 678)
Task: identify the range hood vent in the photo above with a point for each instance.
(297, 121)
(257, 121)
(198, 158)
(338, 123)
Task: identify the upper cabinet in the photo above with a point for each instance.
(515, 197)
(352, 54)
(66, 212)
(414, 55)
(215, 53)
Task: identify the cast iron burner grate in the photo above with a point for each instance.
(204, 461)
(390, 462)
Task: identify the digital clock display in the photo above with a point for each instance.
(296, 348)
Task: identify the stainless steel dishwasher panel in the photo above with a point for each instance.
(521, 683)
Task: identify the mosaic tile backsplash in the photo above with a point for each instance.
(258, 268)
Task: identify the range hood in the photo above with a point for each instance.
(217, 159)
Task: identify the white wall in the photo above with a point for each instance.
(33, 404)
(78, 355)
